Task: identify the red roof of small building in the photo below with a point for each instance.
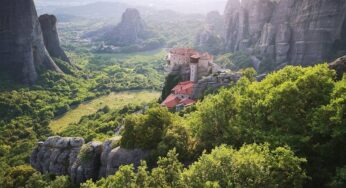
(187, 102)
(183, 88)
(171, 101)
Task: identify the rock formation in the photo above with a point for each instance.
(131, 30)
(22, 49)
(51, 37)
(56, 155)
(213, 83)
(210, 38)
(339, 66)
(296, 32)
(70, 156)
(130, 35)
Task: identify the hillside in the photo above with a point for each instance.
(251, 97)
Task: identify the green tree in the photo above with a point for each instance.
(251, 166)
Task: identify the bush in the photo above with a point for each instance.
(86, 153)
(146, 131)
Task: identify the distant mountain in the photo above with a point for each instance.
(182, 6)
(93, 10)
(131, 34)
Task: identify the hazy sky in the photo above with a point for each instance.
(192, 6)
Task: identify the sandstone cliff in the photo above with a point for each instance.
(297, 32)
(22, 49)
(51, 37)
(94, 160)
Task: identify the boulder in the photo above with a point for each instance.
(339, 66)
(120, 156)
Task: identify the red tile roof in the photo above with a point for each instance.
(183, 88)
(187, 102)
(171, 101)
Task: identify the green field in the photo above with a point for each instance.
(113, 100)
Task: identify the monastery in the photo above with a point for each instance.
(199, 66)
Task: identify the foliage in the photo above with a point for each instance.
(251, 166)
(100, 125)
(86, 153)
(18, 176)
(146, 131)
(26, 111)
(234, 61)
(170, 82)
(301, 107)
(339, 180)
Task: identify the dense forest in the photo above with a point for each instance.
(285, 130)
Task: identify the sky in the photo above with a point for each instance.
(187, 6)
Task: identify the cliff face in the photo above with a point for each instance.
(94, 160)
(51, 37)
(22, 49)
(297, 32)
(210, 38)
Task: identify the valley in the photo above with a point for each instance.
(172, 93)
(113, 101)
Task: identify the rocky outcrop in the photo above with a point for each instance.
(216, 21)
(339, 66)
(56, 155)
(51, 37)
(295, 32)
(120, 156)
(87, 164)
(22, 49)
(212, 83)
(130, 35)
(131, 30)
(210, 38)
(70, 156)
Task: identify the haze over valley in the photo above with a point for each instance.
(172, 93)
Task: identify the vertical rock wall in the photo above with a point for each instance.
(22, 49)
(51, 37)
(94, 160)
(297, 32)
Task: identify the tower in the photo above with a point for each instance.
(194, 60)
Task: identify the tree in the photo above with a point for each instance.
(251, 166)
